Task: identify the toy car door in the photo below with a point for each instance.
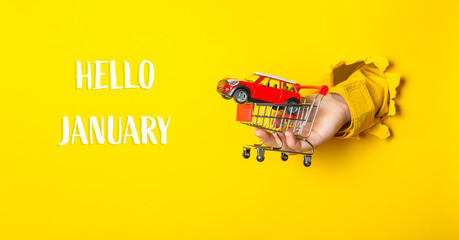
(288, 92)
(268, 90)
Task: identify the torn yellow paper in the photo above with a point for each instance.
(393, 79)
(379, 130)
(369, 93)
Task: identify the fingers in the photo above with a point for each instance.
(296, 144)
(266, 138)
(291, 142)
(272, 140)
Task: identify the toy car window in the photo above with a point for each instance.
(284, 86)
(252, 78)
(274, 83)
(289, 87)
(266, 82)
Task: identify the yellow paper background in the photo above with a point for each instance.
(198, 186)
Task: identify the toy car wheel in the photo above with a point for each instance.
(284, 157)
(226, 97)
(246, 153)
(292, 110)
(307, 160)
(241, 96)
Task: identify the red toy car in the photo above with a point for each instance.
(260, 87)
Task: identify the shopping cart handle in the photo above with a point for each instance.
(323, 90)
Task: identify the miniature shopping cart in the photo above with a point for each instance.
(276, 118)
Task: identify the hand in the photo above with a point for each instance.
(332, 115)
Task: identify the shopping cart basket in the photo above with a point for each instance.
(276, 118)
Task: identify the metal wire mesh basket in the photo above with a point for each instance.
(280, 118)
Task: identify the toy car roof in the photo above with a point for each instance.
(274, 77)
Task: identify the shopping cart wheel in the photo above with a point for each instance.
(260, 155)
(246, 152)
(284, 157)
(307, 160)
